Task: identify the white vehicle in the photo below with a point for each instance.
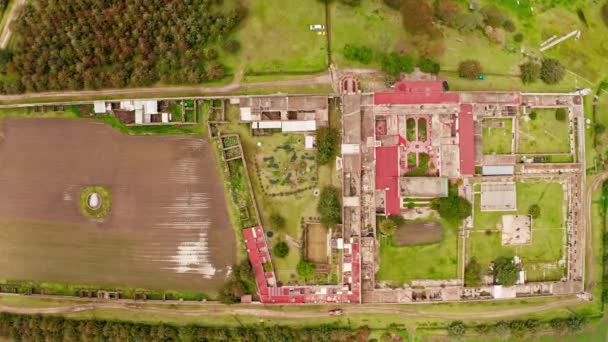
(317, 27)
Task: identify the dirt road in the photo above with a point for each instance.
(193, 309)
(6, 30)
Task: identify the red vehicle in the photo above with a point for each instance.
(335, 312)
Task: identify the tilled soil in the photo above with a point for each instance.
(168, 227)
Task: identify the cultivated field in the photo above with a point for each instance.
(542, 254)
(316, 243)
(497, 136)
(418, 232)
(168, 226)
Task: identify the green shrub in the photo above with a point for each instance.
(467, 22)
(428, 66)
(472, 273)
(533, 115)
(232, 46)
(387, 227)
(453, 208)
(605, 13)
(529, 72)
(396, 4)
(506, 271)
(329, 206)
(277, 221)
(509, 25)
(518, 37)
(456, 329)
(305, 269)
(327, 145)
(361, 54)
(534, 211)
(281, 249)
(492, 16)
(394, 64)
(552, 71)
(470, 69)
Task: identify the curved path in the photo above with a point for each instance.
(279, 312)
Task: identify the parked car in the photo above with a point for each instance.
(317, 27)
(335, 312)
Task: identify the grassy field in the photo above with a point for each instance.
(540, 257)
(543, 135)
(276, 37)
(497, 139)
(402, 264)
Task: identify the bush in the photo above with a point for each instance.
(232, 46)
(472, 273)
(231, 292)
(446, 10)
(518, 37)
(398, 219)
(394, 64)
(492, 16)
(534, 211)
(509, 25)
(529, 72)
(505, 271)
(599, 128)
(327, 145)
(467, 22)
(396, 4)
(305, 269)
(533, 115)
(456, 329)
(361, 54)
(281, 249)
(453, 208)
(329, 206)
(428, 66)
(352, 3)
(552, 71)
(470, 69)
(561, 114)
(605, 13)
(388, 227)
(417, 17)
(277, 221)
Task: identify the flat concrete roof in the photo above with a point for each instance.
(423, 187)
(498, 196)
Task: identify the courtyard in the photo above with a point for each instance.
(545, 134)
(497, 136)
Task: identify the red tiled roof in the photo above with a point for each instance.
(416, 92)
(466, 140)
(387, 176)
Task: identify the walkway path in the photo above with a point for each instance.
(6, 30)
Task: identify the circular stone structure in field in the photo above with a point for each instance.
(95, 201)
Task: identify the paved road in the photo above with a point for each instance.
(5, 36)
(193, 309)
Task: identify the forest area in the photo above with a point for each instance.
(89, 44)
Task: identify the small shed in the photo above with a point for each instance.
(309, 142)
(100, 107)
(299, 126)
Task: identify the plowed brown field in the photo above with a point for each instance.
(168, 227)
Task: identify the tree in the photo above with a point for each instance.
(394, 64)
(417, 17)
(329, 206)
(506, 272)
(446, 10)
(599, 128)
(231, 292)
(470, 69)
(534, 211)
(327, 145)
(492, 16)
(561, 114)
(456, 329)
(453, 208)
(305, 269)
(277, 221)
(472, 273)
(518, 37)
(428, 66)
(533, 115)
(361, 54)
(529, 71)
(281, 249)
(552, 71)
(388, 227)
(605, 13)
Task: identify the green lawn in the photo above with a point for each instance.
(402, 264)
(371, 24)
(276, 38)
(543, 135)
(541, 255)
(496, 139)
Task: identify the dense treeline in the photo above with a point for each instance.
(66, 44)
(57, 328)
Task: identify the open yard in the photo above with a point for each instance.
(542, 254)
(497, 136)
(543, 135)
(276, 38)
(402, 264)
(316, 243)
(418, 232)
(167, 229)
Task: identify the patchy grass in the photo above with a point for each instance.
(497, 140)
(402, 264)
(540, 257)
(104, 196)
(543, 135)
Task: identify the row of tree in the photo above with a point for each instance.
(549, 70)
(67, 44)
(57, 328)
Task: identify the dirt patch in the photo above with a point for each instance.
(168, 227)
(316, 244)
(418, 232)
